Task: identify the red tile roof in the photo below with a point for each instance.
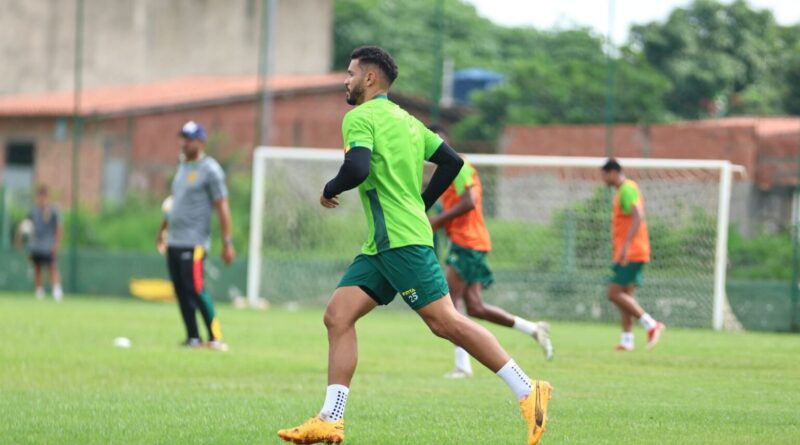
(124, 98)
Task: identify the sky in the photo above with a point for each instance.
(546, 14)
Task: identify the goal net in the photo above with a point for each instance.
(549, 219)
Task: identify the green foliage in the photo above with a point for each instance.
(792, 71)
(132, 226)
(577, 236)
(720, 58)
(301, 227)
(707, 59)
(128, 227)
(564, 80)
(553, 76)
(524, 246)
(765, 256)
(408, 30)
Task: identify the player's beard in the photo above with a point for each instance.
(355, 94)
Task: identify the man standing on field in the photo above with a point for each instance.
(631, 253)
(467, 271)
(385, 149)
(197, 190)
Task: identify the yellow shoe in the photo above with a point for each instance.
(315, 430)
(534, 410)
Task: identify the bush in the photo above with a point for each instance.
(763, 257)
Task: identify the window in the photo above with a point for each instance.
(115, 172)
(18, 176)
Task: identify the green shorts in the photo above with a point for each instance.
(628, 274)
(470, 265)
(411, 271)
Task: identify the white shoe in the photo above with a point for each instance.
(217, 345)
(40, 294)
(542, 335)
(58, 294)
(458, 374)
(192, 343)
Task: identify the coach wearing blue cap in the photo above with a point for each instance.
(198, 189)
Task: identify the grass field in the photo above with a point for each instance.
(62, 382)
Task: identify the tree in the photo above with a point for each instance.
(721, 59)
(563, 79)
(791, 64)
(408, 30)
(553, 76)
(708, 59)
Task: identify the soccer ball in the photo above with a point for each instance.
(26, 227)
(122, 342)
(166, 206)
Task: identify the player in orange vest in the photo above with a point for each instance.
(467, 271)
(631, 252)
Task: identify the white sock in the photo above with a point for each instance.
(58, 293)
(524, 325)
(335, 401)
(516, 379)
(40, 292)
(463, 361)
(647, 321)
(627, 340)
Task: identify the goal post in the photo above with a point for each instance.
(549, 219)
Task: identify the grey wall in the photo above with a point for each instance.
(132, 41)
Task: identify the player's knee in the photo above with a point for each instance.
(336, 320)
(331, 319)
(439, 330)
(440, 327)
(476, 310)
(448, 328)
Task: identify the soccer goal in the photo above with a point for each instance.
(549, 218)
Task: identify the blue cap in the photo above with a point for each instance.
(193, 130)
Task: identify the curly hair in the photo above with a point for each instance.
(379, 57)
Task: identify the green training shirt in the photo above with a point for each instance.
(391, 194)
(628, 197)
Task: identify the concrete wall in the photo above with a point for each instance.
(134, 41)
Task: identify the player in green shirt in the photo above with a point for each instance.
(385, 149)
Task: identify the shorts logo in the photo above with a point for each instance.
(410, 295)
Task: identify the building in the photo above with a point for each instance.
(129, 136)
(138, 41)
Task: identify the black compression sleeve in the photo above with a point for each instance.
(353, 172)
(448, 165)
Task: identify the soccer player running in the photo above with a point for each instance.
(631, 253)
(385, 149)
(197, 190)
(467, 272)
(44, 240)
